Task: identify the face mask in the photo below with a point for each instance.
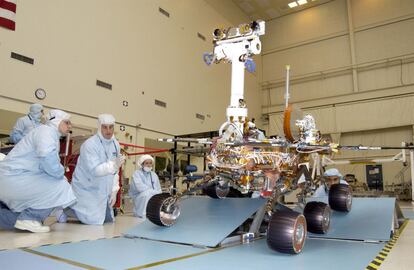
(36, 117)
(147, 169)
(43, 119)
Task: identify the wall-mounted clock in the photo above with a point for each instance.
(40, 93)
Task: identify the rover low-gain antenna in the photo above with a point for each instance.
(287, 87)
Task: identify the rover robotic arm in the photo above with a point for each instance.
(236, 45)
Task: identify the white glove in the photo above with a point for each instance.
(255, 194)
(106, 168)
(115, 189)
(119, 160)
(109, 167)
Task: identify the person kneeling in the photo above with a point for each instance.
(145, 184)
(95, 180)
(330, 177)
(32, 181)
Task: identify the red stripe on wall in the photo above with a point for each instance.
(7, 23)
(8, 5)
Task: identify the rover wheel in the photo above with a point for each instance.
(286, 232)
(318, 217)
(340, 197)
(163, 209)
(217, 191)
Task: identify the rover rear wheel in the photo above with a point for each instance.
(340, 197)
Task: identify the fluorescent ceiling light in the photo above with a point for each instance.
(292, 4)
(302, 2)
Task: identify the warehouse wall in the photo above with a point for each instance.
(352, 67)
(7, 121)
(131, 45)
(142, 53)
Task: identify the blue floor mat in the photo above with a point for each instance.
(117, 253)
(408, 213)
(19, 259)
(203, 221)
(369, 219)
(318, 254)
(122, 253)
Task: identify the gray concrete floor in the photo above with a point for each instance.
(66, 232)
(401, 255)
